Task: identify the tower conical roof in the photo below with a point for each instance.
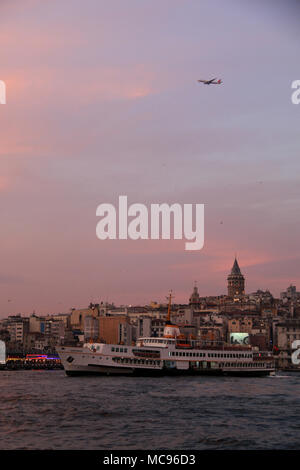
(235, 268)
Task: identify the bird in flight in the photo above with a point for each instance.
(213, 81)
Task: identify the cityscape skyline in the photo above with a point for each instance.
(235, 285)
(91, 113)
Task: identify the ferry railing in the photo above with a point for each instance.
(210, 344)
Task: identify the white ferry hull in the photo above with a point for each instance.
(83, 361)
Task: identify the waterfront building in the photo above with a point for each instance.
(158, 326)
(91, 328)
(115, 330)
(286, 332)
(144, 327)
(239, 324)
(210, 335)
(78, 315)
(17, 330)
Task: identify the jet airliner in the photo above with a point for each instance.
(213, 81)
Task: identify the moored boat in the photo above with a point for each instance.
(172, 354)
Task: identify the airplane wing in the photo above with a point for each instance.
(212, 80)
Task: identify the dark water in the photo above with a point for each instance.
(47, 410)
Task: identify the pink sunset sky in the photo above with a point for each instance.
(102, 101)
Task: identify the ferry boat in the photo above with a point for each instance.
(172, 354)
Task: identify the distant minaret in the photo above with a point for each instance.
(194, 300)
(236, 281)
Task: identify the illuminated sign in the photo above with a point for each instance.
(239, 338)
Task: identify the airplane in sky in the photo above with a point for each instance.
(213, 81)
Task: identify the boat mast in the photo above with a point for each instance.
(169, 308)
